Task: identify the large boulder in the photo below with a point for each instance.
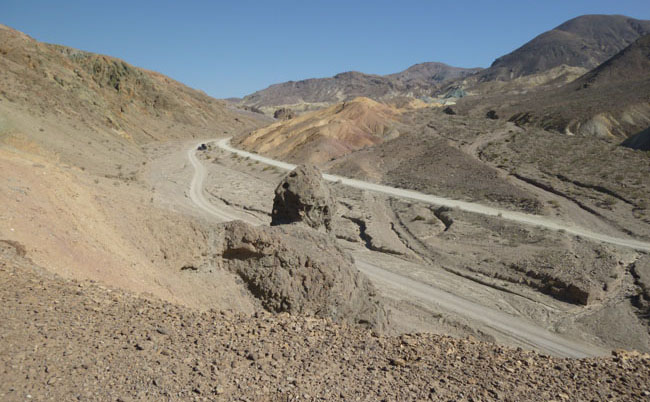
(304, 197)
(300, 271)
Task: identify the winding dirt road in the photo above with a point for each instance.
(527, 219)
(196, 189)
(519, 330)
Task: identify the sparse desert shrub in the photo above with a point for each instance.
(610, 201)
(418, 218)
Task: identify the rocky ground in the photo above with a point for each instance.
(65, 339)
(95, 187)
(602, 178)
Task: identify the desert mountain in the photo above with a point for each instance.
(420, 79)
(101, 180)
(321, 135)
(630, 64)
(609, 101)
(585, 41)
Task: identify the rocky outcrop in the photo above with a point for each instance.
(640, 141)
(491, 114)
(284, 114)
(303, 197)
(301, 271)
(448, 110)
(641, 273)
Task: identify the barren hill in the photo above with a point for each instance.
(610, 101)
(584, 41)
(420, 79)
(78, 134)
(630, 64)
(319, 136)
(62, 98)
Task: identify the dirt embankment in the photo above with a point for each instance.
(65, 339)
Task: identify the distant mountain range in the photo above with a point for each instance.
(418, 80)
(556, 56)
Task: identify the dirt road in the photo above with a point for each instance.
(196, 189)
(518, 217)
(517, 329)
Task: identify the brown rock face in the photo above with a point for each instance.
(301, 271)
(304, 197)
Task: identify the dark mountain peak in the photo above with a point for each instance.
(584, 41)
(588, 21)
(433, 72)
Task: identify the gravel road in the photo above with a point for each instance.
(518, 217)
(518, 329)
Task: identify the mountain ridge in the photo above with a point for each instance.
(417, 80)
(583, 41)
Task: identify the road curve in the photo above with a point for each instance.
(518, 329)
(527, 219)
(196, 189)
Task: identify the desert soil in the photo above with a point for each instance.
(67, 339)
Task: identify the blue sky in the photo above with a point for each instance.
(232, 48)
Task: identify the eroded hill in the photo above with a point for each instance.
(326, 134)
(77, 135)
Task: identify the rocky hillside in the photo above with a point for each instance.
(630, 64)
(78, 138)
(62, 98)
(610, 101)
(65, 339)
(585, 41)
(319, 136)
(420, 79)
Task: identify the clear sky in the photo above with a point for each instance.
(232, 48)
